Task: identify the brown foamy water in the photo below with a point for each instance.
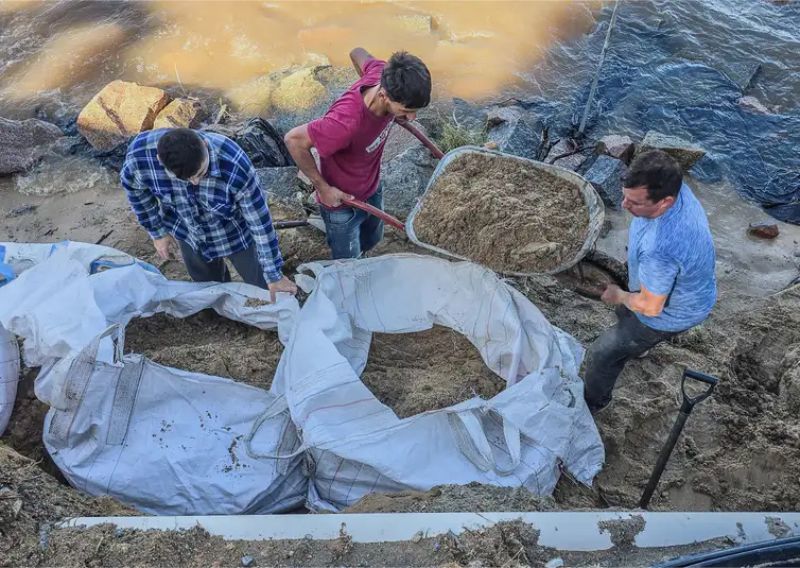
(68, 50)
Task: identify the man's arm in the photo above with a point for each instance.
(644, 302)
(299, 143)
(143, 203)
(359, 56)
(251, 202)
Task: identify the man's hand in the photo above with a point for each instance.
(282, 285)
(332, 196)
(166, 247)
(613, 295)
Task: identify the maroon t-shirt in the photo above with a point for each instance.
(350, 138)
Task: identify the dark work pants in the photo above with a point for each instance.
(608, 354)
(245, 262)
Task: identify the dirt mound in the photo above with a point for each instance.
(208, 343)
(29, 499)
(504, 214)
(454, 498)
(427, 370)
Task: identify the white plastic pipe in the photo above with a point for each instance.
(576, 531)
(9, 375)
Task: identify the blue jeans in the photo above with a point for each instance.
(352, 232)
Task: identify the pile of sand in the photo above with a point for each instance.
(503, 213)
(428, 370)
(208, 343)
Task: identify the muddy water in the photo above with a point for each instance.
(62, 52)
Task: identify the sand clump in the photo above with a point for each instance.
(504, 213)
(208, 343)
(428, 370)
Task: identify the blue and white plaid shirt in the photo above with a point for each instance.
(221, 216)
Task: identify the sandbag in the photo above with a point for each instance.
(166, 441)
(9, 376)
(358, 446)
(163, 440)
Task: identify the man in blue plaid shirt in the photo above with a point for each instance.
(201, 189)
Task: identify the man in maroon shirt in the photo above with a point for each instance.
(350, 139)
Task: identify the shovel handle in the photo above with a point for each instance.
(380, 214)
(689, 401)
(427, 142)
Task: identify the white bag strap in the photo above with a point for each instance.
(78, 375)
(471, 439)
(276, 408)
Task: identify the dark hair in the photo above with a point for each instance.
(182, 151)
(407, 80)
(656, 171)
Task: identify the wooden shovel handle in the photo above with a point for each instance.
(388, 219)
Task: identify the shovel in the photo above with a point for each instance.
(686, 409)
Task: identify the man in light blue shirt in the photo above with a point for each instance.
(671, 272)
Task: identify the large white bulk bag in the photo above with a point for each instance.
(9, 375)
(167, 441)
(359, 446)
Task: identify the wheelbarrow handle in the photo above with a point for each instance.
(689, 401)
(427, 142)
(384, 216)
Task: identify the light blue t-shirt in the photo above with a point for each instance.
(674, 254)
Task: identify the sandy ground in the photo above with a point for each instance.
(737, 451)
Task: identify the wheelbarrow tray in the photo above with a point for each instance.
(594, 204)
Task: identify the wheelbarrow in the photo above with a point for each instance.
(591, 198)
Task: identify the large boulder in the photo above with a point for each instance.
(24, 142)
(253, 97)
(119, 111)
(180, 113)
(606, 174)
(299, 90)
(616, 146)
(405, 178)
(401, 140)
(684, 152)
(563, 154)
(282, 188)
(514, 132)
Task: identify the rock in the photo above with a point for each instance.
(752, 104)
(741, 74)
(262, 143)
(763, 230)
(180, 113)
(571, 162)
(616, 146)
(119, 111)
(282, 189)
(24, 143)
(405, 178)
(605, 174)
(253, 97)
(468, 115)
(400, 140)
(554, 563)
(684, 152)
(514, 132)
(247, 561)
(298, 91)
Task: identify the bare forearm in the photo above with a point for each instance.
(637, 302)
(306, 164)
(359, 56)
